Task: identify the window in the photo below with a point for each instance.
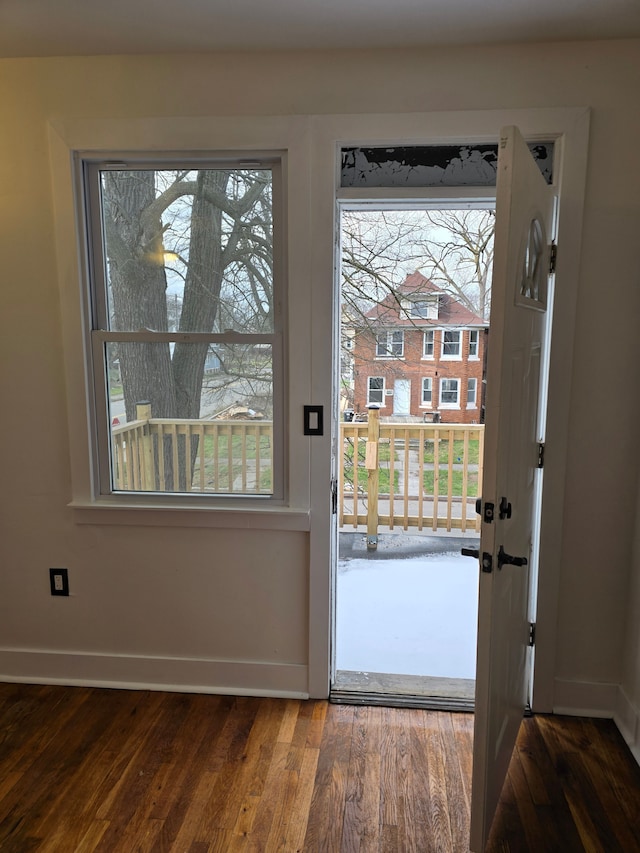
(186, 340)
(390, 344)
(451, 343)
(427, 351)
(427, 391)
(449, 393)
(425, 309)
(472, 393)
(375, 390)
(474, 336)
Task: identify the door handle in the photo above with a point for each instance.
(507, 559)
(470, 552)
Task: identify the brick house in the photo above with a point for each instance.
(421, 357)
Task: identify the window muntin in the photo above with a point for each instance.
(187, 330)
(449, 393)
(451, 343)
(472, 393)
(390, 344)
(428, 343)
(427, 391)
(375, 390)
(474, 338)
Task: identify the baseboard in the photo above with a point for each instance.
(627, 719)
(585, 698)
(129, 672)
(588, 699)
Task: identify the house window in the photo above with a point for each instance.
(390, 344)
(185, 294)
(427, 351)
(474, 336)
(424, 309)
(449, 393)
(375, 390)
(427, 391)
(451, 343)
(472, 393)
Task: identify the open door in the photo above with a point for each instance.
(524, 230)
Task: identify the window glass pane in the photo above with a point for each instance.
(428, 343)
(426, 390)
(376, 389)
(449, 391)
(188, 250)
(451, 343)
(473, 342)
(471, 392)
(219, 440)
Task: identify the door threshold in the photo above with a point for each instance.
(403, 691)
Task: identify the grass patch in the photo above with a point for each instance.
(458, 451)
(456, 482)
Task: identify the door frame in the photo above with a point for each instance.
(569, 128)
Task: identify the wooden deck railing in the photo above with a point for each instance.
(426, 476)
(423, 476)
(222, 457)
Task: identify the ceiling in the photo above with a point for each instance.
(83, 27)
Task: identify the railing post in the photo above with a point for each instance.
(147, 478)
(371, 464)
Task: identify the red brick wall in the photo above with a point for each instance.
(414, 367)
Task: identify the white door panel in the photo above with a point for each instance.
(524, 222)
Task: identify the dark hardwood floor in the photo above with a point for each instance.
(107, 770)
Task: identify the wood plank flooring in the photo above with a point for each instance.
(85, 769)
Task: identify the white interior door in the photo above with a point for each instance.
(524, 230)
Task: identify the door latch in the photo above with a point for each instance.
(486, 563)
(507, 559)
(505, 509)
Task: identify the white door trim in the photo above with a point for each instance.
(570, 128)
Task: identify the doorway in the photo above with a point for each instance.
(413, 322)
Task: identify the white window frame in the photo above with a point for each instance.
(387, 347)
(382, 390)
(472, 381)
(447, 405)
(432, 343)
(429, 404)
(458, 355)
(474, 344)
(99, 335)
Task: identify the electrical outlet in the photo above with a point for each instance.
(59, 580)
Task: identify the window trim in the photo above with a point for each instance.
(458, 356)
(474, 356)
(444, 405)
(474, 404)
(371, 402)
(428, 405)
(425, 354)
(88, 169)
(389, 333)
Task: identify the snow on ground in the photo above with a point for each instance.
(409, 617)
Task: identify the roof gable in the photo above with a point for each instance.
(390, 312)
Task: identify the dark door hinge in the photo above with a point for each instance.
(532, 634)
(541, 454)
(553, 256)
(334, 497)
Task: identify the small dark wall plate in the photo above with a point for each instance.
(59, 580)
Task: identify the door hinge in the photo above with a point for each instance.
(334, 497)
(532, 634)
(553, 256)
(540, 454)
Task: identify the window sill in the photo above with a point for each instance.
(181, 515)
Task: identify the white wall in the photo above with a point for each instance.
(216, 608)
